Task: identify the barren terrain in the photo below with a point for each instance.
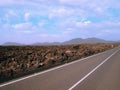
(17, 61)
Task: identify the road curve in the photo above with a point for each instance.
(99, 72)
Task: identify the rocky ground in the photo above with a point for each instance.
(16, 61)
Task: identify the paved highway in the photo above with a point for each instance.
(97, 72)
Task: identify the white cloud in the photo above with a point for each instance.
(27, 31)
(41, 23)
(22, 26)
(60, 12)
(63, 17)
(73, 2)
(16, 2)
(12, 13)
(94, 6)
(27, 16)
(29, 3)
(6, 26)
(69, 31)
(85, 3)
(112, 31)
(83, 24)
(8, 15)
(48, 35)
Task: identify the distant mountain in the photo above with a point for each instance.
(88, 40)
(12, 44)
(118, 41)
(73, 41)
(95, 40)
(77, 41)
(46, 43)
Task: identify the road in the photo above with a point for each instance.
(97, 72)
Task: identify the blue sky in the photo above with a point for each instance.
(30, 21)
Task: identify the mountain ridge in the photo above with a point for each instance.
(72, 41)
(87, 41)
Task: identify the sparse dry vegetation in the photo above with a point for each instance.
(16, 61)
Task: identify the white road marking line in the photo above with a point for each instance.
(39, 73)
(71, 88)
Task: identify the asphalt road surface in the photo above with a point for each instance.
(97, 72)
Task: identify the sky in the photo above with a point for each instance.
(31, 21)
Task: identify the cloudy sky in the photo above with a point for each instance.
(30, 21)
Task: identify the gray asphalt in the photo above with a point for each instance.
(106, 77)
